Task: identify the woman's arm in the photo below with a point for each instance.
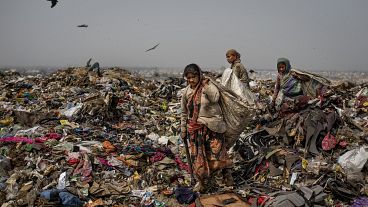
(277, 89)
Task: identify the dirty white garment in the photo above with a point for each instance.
(210, 113)
(230, 81)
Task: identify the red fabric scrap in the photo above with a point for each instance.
(104, 162)
(158, 156)
(329, 142)
(343, 143)
(30, 140)
(73, 161)
(181, 164)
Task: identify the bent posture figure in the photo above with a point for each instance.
(296, 86)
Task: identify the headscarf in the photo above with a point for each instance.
(290, 85)
(286, 62)
(194, 102)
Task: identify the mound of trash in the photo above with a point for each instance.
(73, 138)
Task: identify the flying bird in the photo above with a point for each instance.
(53, 3)
(89, 63)
(83, 25)
(152, 48)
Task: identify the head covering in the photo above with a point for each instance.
(286, 62)
(233, 51)
(193, 68)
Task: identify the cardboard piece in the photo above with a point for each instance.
(220, 200)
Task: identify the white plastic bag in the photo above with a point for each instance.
(230, 81)
(237, 113)
(354, 160)
(225, 79)
(69, 112)
(62, 181)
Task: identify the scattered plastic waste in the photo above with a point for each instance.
(73, 138)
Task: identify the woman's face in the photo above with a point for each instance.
(230, 57)
(192, 79)
(281, 68)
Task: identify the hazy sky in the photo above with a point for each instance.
(313, 34)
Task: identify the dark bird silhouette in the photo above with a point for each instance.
(96, 65)
(83, 25)
(152, 48)
(53, 3)
(89, 63)
(251, 71)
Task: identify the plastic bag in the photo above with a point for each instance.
(71, 111)
(62, 181)
(226, 77)
(230, 81)
(354, 160)
(68, 199)
(237, 114)
(51, 195)
(185, 195)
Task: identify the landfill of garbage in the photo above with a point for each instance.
(73, 138)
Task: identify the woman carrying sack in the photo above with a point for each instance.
(203, 124)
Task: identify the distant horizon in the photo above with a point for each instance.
(174, 68)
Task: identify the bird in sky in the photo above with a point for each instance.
(152, 48)
(53, 3)
(83, 25)
(89, 63)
